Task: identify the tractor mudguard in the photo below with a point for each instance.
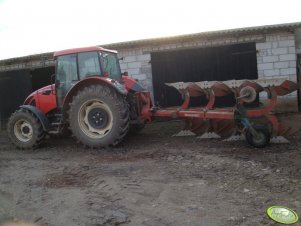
(92, 81)
(132, 84)
(39, 114)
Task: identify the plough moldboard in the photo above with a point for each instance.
(258, 124)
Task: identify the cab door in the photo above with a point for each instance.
(66, 76)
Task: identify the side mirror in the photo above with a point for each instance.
(52, 82)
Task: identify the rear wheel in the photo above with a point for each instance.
(99, 116)
(25, 130)
(262, 138)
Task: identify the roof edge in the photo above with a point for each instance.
(208, 34)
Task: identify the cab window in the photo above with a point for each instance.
(66, 71)
(88, 64)
(66, 76)
(110, 64)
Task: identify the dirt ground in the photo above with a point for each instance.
(151, 179)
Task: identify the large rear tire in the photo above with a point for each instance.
(25, 130)
(99, 116)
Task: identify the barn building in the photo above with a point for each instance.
(244, 53)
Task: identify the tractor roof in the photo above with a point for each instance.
(80, 50)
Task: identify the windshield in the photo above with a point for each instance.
(110, 64)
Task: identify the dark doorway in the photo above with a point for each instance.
(15, 86)
(41, 77)
(205, 64)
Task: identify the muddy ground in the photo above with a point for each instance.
(151, 179)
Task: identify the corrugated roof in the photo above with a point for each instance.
(208, 34)
(27, 58)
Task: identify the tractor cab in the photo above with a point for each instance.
(78, 64)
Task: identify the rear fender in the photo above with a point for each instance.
(132, 84)
(91, 81)
(39, 114)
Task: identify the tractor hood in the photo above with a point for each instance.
(46, 90)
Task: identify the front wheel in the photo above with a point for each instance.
(99, 116)
(261, 140)
(24, 129)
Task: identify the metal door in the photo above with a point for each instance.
(203, 64)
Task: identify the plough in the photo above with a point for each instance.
(258, 124)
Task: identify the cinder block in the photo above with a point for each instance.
(272, 37)
(123, 66)
(130, 59)
(287, 37)
(293, 64)
(275, 44)
(123, 53)
(267, 59)
(134, 65)
(265, 66)
(146, 70)
(273, 72)
(279, 51)
(284, 64)
(292, 50)
(144, 57)
(287, 57)
(264, 45)
(286, 43)
(134, 71)
(288, 71)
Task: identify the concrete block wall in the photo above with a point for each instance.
(138, 66)
(276, 57)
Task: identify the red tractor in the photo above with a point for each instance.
(92, 99)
